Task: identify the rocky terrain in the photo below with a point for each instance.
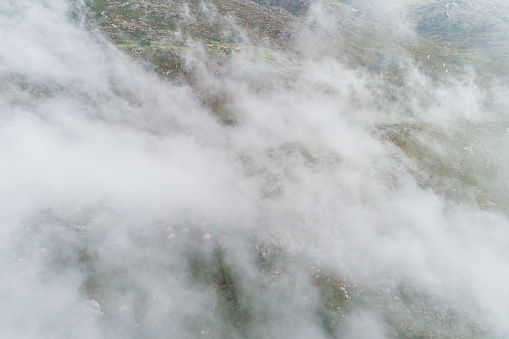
(357, 35)
(254, 168)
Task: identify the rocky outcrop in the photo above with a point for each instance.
(294, 6)
(464, 23)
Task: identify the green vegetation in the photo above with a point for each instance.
(334, 299)
(359, 42)
(231, 303)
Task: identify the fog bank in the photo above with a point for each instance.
(327, 209)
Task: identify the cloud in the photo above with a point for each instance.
(130, 209)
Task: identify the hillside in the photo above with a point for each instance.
(254, 169)
(356, 36)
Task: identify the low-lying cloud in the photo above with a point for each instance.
(130, 210)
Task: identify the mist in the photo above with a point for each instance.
(333, 205)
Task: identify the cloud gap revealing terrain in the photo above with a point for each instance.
(254, 169)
